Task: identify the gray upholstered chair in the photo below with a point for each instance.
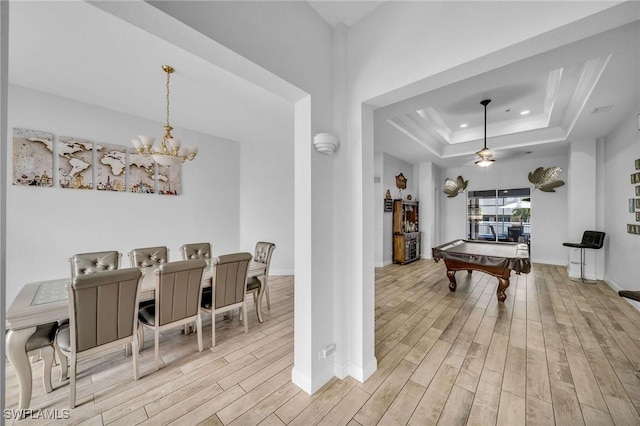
(103, 311)
(177, 300)
(89, 263)
(264, 250)
(196, 251)
(230, 287)
(148, 256)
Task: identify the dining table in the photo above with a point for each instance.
(43, 302)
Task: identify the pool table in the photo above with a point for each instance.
(494, 258)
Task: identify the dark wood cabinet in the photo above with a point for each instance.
(406, 231)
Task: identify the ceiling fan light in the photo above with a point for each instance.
(485, 162)
(485, 153)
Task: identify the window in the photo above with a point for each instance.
(499, 215)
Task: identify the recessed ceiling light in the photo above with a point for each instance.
(463, 125)
(525, 112)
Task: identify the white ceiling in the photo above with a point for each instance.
(75, 50)
(576, 92)
(345, 12)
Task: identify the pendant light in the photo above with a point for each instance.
(485, 154)
(170, 152)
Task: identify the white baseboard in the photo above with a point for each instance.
(312, 385)
(549, 262)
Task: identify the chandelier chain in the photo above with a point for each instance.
(168, 77)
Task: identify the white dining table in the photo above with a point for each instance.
(43, 302)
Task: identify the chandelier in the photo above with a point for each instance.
(170, 152)
(485, 154)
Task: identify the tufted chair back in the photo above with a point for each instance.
(264, 250)
(89, 263)
(148, 256)
(196, 251)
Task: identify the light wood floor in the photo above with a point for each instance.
(555, 352)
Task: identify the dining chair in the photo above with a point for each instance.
(89, 263)
(229, 288)
(263, 253)
(103, 310)
(177, 301)
(196, 251)
(148, 256)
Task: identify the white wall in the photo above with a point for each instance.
(266, 184)
(46, 226)
(582, 200)
(622, 250)
(548, 209)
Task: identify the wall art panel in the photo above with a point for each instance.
(75, 168)
(169, 180)
(32, 158)
(111, 166)
(142, 173)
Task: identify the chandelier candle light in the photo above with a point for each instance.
(485, 154)
(170, 152)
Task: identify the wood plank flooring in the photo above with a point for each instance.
(556, 352)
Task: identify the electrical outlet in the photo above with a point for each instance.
(327, 351)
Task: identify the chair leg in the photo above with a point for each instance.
(72, 388)
(46, 353)
(156, 343)
(266, 292)
(134, 355)
(246, 320)
(140, 337)
(213, 327)
(199, 331)
(64, 364)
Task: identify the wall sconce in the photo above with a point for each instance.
(325, 143)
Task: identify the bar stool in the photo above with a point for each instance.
(590, 240)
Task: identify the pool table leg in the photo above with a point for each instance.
(503, 283)
(452, 280)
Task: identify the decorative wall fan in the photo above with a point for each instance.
(546, 179)
(453, 187)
